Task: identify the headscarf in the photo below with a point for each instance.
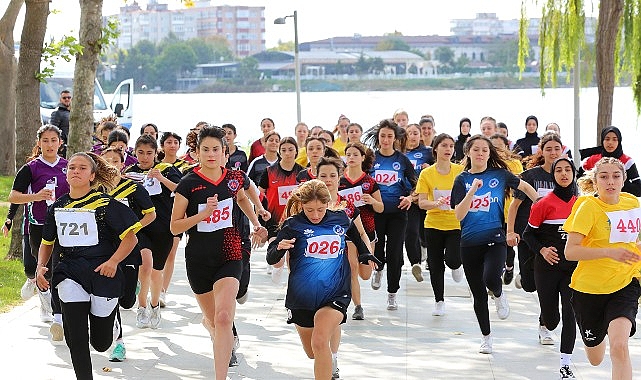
(564, 193)
(618, 152)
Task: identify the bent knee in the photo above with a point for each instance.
(223, 318)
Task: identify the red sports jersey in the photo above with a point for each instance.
(367, 186)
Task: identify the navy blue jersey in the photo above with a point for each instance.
(395, 176)
(483, 223)
(319, 269)
(420, 155)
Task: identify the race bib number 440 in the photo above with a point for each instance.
(76, 227)
(219, 219)
(323, 247)
(354, 195)
(624, 225)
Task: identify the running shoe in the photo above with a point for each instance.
(242, 299)
(335, 370)
(486, 344)
(46, 312)
(154, 317)
(233, 360)
(502, 306)
(57, 332)
(508, 275)
(417, 272)
(517, 281)
(161, 300)
(545, 336)
(142, 318)
(270, 269)
(439, 309)
(358, 313)
(29, 289)
(457, 274)
(119, 354)
(566, 373)
(391, 301)
(376, 279)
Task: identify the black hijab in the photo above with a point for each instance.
(564, 193)
(618, 152)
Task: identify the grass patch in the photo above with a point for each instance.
(11, 280)
(6, 182)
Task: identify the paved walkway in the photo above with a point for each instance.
(405, 344)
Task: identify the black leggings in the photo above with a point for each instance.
(444, 250)
(35, 238)
(390, 228)
(549, 284)
(509, 261)
(413, 235)
(483, 266)
(526, 259)
(77, 325)
(128, 298)
(28, 261)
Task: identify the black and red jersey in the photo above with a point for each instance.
(367, 185)
(278, 184)
(305, 175)
(215, 239)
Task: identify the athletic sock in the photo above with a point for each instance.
(565, 359)
(57, 318)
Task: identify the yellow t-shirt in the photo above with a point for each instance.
(339, 146)
(301, 158)
(605, 225)
(515, 167)
(437, 185)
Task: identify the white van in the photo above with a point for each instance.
(121, 103)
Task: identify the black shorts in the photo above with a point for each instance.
(594, 312)
(371, 235)
(160, 245)
(203, 277)
(143, 240)
(305, 318)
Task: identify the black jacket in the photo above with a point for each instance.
(60, 118)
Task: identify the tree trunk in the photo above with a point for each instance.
(81, 117)
(28, 87)
(8, 69)
(15, 248)
(610, 13)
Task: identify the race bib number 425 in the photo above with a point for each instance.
(323, 247)
(219, 219)
(76, 227)
(624, 225)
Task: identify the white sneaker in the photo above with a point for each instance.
(46, 312)
(545, 336)
(457, 274)
(244, 297)
(29, 289)
(486, 344)
(417, 272)
(517, 281)
(161, 300)
(391, 301)
(154, 317)
(502, 306)
(270, 269)
(142, 318)
(376, 279)
(277, 275)
(439, 309)
(57, 332)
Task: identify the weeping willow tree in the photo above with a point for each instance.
(614, 54)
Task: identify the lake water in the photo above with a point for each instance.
(180, 112)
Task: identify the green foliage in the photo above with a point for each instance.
(392, 43)
(283, 46)
(445, 55)
(248, 70)
(11, 279)
(110, 33)
(6, 182)
(66, 48)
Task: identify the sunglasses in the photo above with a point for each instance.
(66, 97)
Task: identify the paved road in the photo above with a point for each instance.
(405, 344)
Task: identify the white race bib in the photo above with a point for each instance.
(624, 225)
(124, 201)
(76, 227)
(354, 195)
(543, 191)
(481, 203)
(219, 219)
(323, 247)
(447, 194)
(385, 177)
(152, 185)
(414, 163)
(284, 192)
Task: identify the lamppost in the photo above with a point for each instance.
(281, 20)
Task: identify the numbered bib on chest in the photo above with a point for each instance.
(447, 194)
(284, 192)
(624, 225)
(481, 203)
(541, 192)
(354, 195)
(124, 201)
(323, 247)
(76, 227)
(219, 219)
(152, 185)
(385, 177)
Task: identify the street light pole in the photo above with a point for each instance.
(281, 20)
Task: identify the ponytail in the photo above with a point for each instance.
(105, 173)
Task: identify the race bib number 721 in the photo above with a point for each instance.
(76, 227)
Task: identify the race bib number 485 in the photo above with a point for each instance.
(76, 227)
(323, 247)
(624, 225)
(219, 219)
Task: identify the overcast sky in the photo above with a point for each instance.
(328, 18)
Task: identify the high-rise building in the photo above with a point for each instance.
(242, 26)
